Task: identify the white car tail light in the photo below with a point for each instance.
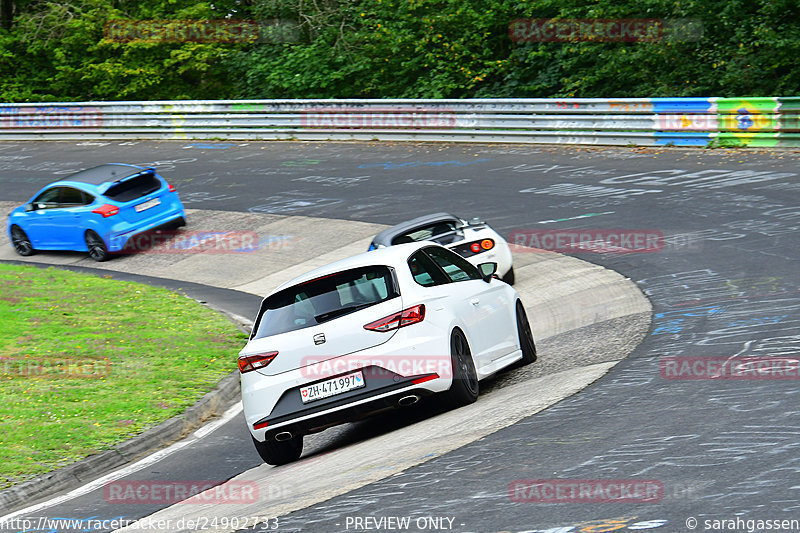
(248, 363)
(406, 317)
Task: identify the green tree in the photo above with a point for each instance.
(378, 48)
(54, 50)
(59, 51)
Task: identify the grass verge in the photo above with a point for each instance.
(87, 362)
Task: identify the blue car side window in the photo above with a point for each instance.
(70, 197)
(48, 199)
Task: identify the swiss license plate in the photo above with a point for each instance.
(332, 387)
(147, 205)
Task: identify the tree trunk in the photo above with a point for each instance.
(6, 14)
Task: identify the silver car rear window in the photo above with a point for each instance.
(426, 233)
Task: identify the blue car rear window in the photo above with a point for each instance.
(133, 188)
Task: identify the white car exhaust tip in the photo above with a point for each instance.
(283, 436)
(405, 401)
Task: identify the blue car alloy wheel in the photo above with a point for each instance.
(21, 242)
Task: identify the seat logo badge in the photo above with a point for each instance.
(319, 338)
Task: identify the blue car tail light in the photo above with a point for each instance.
(107, 210)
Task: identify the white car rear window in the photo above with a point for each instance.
(318, 301)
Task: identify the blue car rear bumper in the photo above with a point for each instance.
(123, 231)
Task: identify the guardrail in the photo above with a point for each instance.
(765, 122)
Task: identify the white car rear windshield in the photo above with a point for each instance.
(323, 299)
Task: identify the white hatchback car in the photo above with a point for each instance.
(472, 239)
(376, 331)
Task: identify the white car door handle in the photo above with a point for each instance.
(474, 301)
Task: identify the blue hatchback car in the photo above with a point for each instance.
(95, 210)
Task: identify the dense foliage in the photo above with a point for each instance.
(54, 51)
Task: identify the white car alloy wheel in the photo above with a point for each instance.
(464, 389)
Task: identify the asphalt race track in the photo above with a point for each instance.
(723, 283)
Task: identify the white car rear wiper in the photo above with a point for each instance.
(334, 313)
